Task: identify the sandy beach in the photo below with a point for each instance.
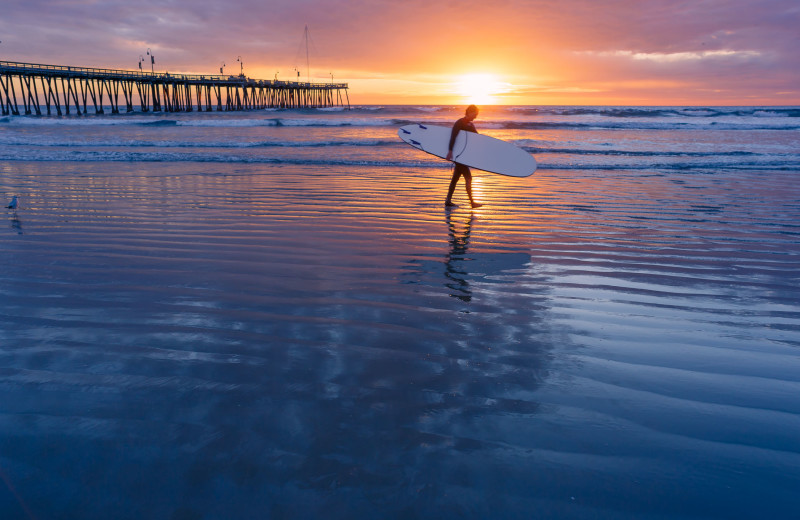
(233, 320)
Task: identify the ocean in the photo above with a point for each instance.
(270, 314)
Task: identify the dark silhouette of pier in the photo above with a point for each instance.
(83, 89)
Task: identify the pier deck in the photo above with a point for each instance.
(84, 89)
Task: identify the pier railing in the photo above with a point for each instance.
(84, 88)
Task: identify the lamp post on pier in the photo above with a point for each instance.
(241, 65)
(141, 59)
(222, 68)
(152, 61)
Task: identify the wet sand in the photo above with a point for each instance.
(252, 341)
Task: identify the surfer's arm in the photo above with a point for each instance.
(453, 135)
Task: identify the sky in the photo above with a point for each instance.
(524, 52)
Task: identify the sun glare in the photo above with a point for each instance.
(480, 89)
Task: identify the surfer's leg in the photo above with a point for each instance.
(456, 174)
(468, 181)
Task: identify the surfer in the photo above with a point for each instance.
(465, 124)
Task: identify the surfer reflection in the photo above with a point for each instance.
(454, 263)
(465, 124)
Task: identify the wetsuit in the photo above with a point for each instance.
(460, 169)
(459, 125)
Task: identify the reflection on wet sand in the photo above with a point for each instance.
(466, 271)
(459, 242)
(16, 225)
(365, 395)
(409, 414)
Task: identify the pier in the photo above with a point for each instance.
(29, 88)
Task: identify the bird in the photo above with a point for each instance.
(13, 203)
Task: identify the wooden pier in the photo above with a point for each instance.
(85, 89)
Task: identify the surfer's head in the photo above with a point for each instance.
(472, 112)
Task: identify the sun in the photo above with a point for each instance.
(480, 88)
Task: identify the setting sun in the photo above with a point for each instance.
(480, 89)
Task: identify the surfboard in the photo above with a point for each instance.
(474, 150)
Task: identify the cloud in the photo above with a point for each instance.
(676, 57)
(573, 47)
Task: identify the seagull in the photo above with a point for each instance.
(13, 203)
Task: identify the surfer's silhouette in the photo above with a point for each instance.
(465, 124)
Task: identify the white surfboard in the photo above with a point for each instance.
(475, 150)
